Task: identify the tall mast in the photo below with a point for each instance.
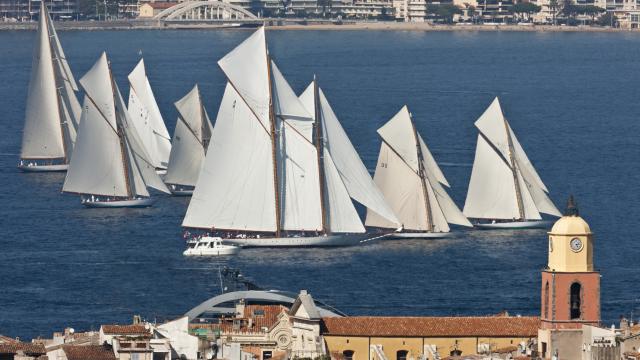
(43, 12)
(514, 170)
(272, 120)
(421, 174)
(119, 127)
(319, 150)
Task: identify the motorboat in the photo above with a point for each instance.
(210, 246)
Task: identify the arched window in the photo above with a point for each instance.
(347, 355)
(546, 300)
(401, 355)
(576, 301)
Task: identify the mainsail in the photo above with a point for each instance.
(52, 110)
(504, 183)
(110, 160)
(261, 172)
(190, 140)
(412, 181)
(147, 119)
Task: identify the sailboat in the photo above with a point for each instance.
(52, 110)
(412, 183)
(280, 170)
(147, 119)
(505, 191)
(110, 167)
(190, 141)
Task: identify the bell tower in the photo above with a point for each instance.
(570, 285)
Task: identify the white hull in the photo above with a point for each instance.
(420, 235)
(44, 168)
(309, 241)
(129, 203)
(226, 251)
(531, 224)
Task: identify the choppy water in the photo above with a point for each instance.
(572, 98)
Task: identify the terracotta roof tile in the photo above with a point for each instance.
(27, 348)
(431, 326)
(6, 339)
(263, 316)
(137, 329)
(88, 352)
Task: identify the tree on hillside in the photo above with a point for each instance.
(444, 11)
(553, 6)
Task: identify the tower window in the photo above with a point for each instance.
(546, 300)
(576, 301)
(401, 355)
(347, 355)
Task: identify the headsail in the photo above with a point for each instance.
(146, 117)
(410, 180)
(192, 134)
(504, 184)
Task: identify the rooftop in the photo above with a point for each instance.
(137, 329)
(495, 326)
(27, 348)
(89, 352)
(161, 5)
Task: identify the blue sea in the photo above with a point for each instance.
(571, 98)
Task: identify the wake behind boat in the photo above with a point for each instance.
(279, 169)
(505, 191)
(110, 167)
(411, 181)
(52, 109)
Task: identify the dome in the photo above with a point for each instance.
(570, 225)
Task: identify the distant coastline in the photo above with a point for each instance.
(309, 25)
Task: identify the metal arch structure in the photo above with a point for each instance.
(271, 296)
(205, 10)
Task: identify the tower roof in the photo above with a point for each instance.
(571, 223)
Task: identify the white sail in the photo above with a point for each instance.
(352, 171)
(491, 193)
(297, 159)
(496, 135)
(188, 150)
(247, 69)
(235, 188)
(108, 162)
(342, 216)
(146, 117)
(402, 188)
(398, 176)
(97, 165)
(142, 166)
(42, 137)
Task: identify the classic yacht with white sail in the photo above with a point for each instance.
(190, 141)
(52, 110)
(273, 176)
(147, 119)
(505, 191)
(110, 167)
(411, 182)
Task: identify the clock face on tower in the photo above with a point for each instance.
(576, 244)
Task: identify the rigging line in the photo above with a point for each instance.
(191, 131)
(250, 108)
(101, 113)
(294, 129)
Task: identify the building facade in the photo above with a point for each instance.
(25, 10)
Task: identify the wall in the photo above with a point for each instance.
(415, 345)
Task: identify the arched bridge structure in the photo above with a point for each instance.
(223, 304)
(205, 11)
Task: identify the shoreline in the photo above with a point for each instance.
(311, 25)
